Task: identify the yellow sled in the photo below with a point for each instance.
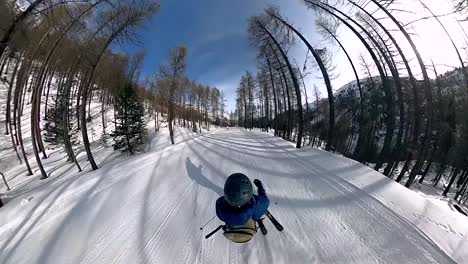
(242, 233)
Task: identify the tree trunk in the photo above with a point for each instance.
(285, 110)
(296, 86)
(267, 106)
(35, 110)
(126, 128)
(18, 102)
(361, 98)
(428, 92)
(87, 87)
(170, 120)
(79, 92)
(84, 129)
(5, 181)
(463, 187)
(8, 107)
(91, 96)
(38, 117)
(413, 83)
(3, 62)
(47, 95)
(318, 59)
(390, 117)
(11, 29)
(316, 116)
(103, 114)
(387, 88)
(34, 126)
(251, 103)
(245, 108)
(66, 119)
(452, 179)
(441, 171)
(388, 58)
(288, 111)
(461, 179)
(275, 121)
(428, 167)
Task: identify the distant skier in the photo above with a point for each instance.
(239, 204)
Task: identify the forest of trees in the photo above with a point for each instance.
(393, 116)
(57, 57)
(183, 99)
(67, 45)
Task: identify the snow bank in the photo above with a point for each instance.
(446, 227)
(149, 209)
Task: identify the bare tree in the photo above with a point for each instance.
(275, 102)
(428, 93)
(461, 6)
(342, 17)
(328, 28)
(173, 72)
(274, 13)
(126, 19)
(258, 29)
(9, 32)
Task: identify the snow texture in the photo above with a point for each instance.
(149, 209)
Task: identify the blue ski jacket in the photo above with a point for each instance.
(254, 209)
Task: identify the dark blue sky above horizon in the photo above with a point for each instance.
(215, 32)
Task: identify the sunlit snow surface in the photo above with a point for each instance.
(149, 209)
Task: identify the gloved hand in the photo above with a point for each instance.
(259, 185)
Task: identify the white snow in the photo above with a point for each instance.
(149, 209)
(433, 217)
(55, 164)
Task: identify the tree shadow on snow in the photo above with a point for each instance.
(145, 215)
(51, 202)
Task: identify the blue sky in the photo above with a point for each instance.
(215, 32)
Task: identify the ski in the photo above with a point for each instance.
(214, 231)
(274, 221)
(262, 227)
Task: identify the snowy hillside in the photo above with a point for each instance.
(149, 209)
(128, 134)
(55, 164)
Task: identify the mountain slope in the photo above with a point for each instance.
(149, 209)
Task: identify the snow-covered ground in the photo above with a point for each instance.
(149, 209)
(55, 164)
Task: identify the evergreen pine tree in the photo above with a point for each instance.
(130, 129)
(57, 121)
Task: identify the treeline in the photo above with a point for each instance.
(185, 101)
(58, 63)
(68, 43)
(392, 115)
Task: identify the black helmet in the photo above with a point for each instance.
(238, 190)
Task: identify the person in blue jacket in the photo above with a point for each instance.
(239, 204)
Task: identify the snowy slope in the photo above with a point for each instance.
(149, 208)
(55, 165)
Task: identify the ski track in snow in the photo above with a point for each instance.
(149, 209)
